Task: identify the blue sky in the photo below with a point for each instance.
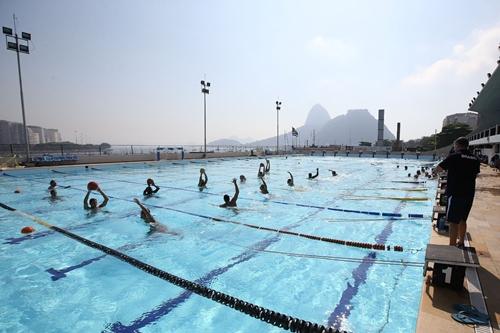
(128, 72)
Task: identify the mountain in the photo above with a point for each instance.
(348, 129)
(225, 142)
(316, 118)
(351, 128)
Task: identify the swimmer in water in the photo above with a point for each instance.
(148, 191)
(243, 179)
(263, 187)
(316, 175)
(203, 180)
(52, 189)
(268, 166)
(334, 173)
(92, 203)
(145, 213)
(228, 202)
(262, 170)
(154, 225)
(290, 180)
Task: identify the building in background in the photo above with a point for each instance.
(4, 131)
(16, 134)
(13, 133)
(468, 118)
(486, 138)
(36, 131)
(52, 135)
(380, 129)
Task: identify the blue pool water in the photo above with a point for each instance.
(51, 283)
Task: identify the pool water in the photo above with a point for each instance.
(51, 283)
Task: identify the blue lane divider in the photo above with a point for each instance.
(414, 216)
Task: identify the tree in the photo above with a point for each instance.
(451, 132)
(387, 143)
(365, 144)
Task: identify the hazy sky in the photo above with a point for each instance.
(129, 71)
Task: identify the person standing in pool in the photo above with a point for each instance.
(148, 191)
(462, 167)
(228, 202)
(92, 204)
(316, 175)
(263, 186)
(290, 180)
(268, 166)
(203, 180)
(52, 189)
(262, 170)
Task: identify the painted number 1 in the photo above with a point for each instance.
(447, 274)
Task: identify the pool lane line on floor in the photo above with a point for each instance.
(363, 245)
(272, 317)
(360, 275)
(409, 215)
(57, 274)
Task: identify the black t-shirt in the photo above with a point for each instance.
(462, 171)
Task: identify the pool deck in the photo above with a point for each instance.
(483, 226)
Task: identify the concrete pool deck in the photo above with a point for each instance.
(483, 226)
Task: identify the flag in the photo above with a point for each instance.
(294, 132)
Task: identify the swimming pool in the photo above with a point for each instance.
(51, 283)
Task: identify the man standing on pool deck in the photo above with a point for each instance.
(228, 202)
(462, 171)
(92, 203)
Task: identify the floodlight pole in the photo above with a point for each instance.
(26, 136)
(205, 91)
(278, 107)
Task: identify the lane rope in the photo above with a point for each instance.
(274, 318)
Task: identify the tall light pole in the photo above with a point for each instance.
(24, 48)
(205, 91)
(278, 108)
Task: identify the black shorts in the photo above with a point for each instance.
(459, 208)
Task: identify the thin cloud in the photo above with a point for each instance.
(331, 48)
(465, 60)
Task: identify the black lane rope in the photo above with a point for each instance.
(386, 214)
(362, 245)
(274, 318)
